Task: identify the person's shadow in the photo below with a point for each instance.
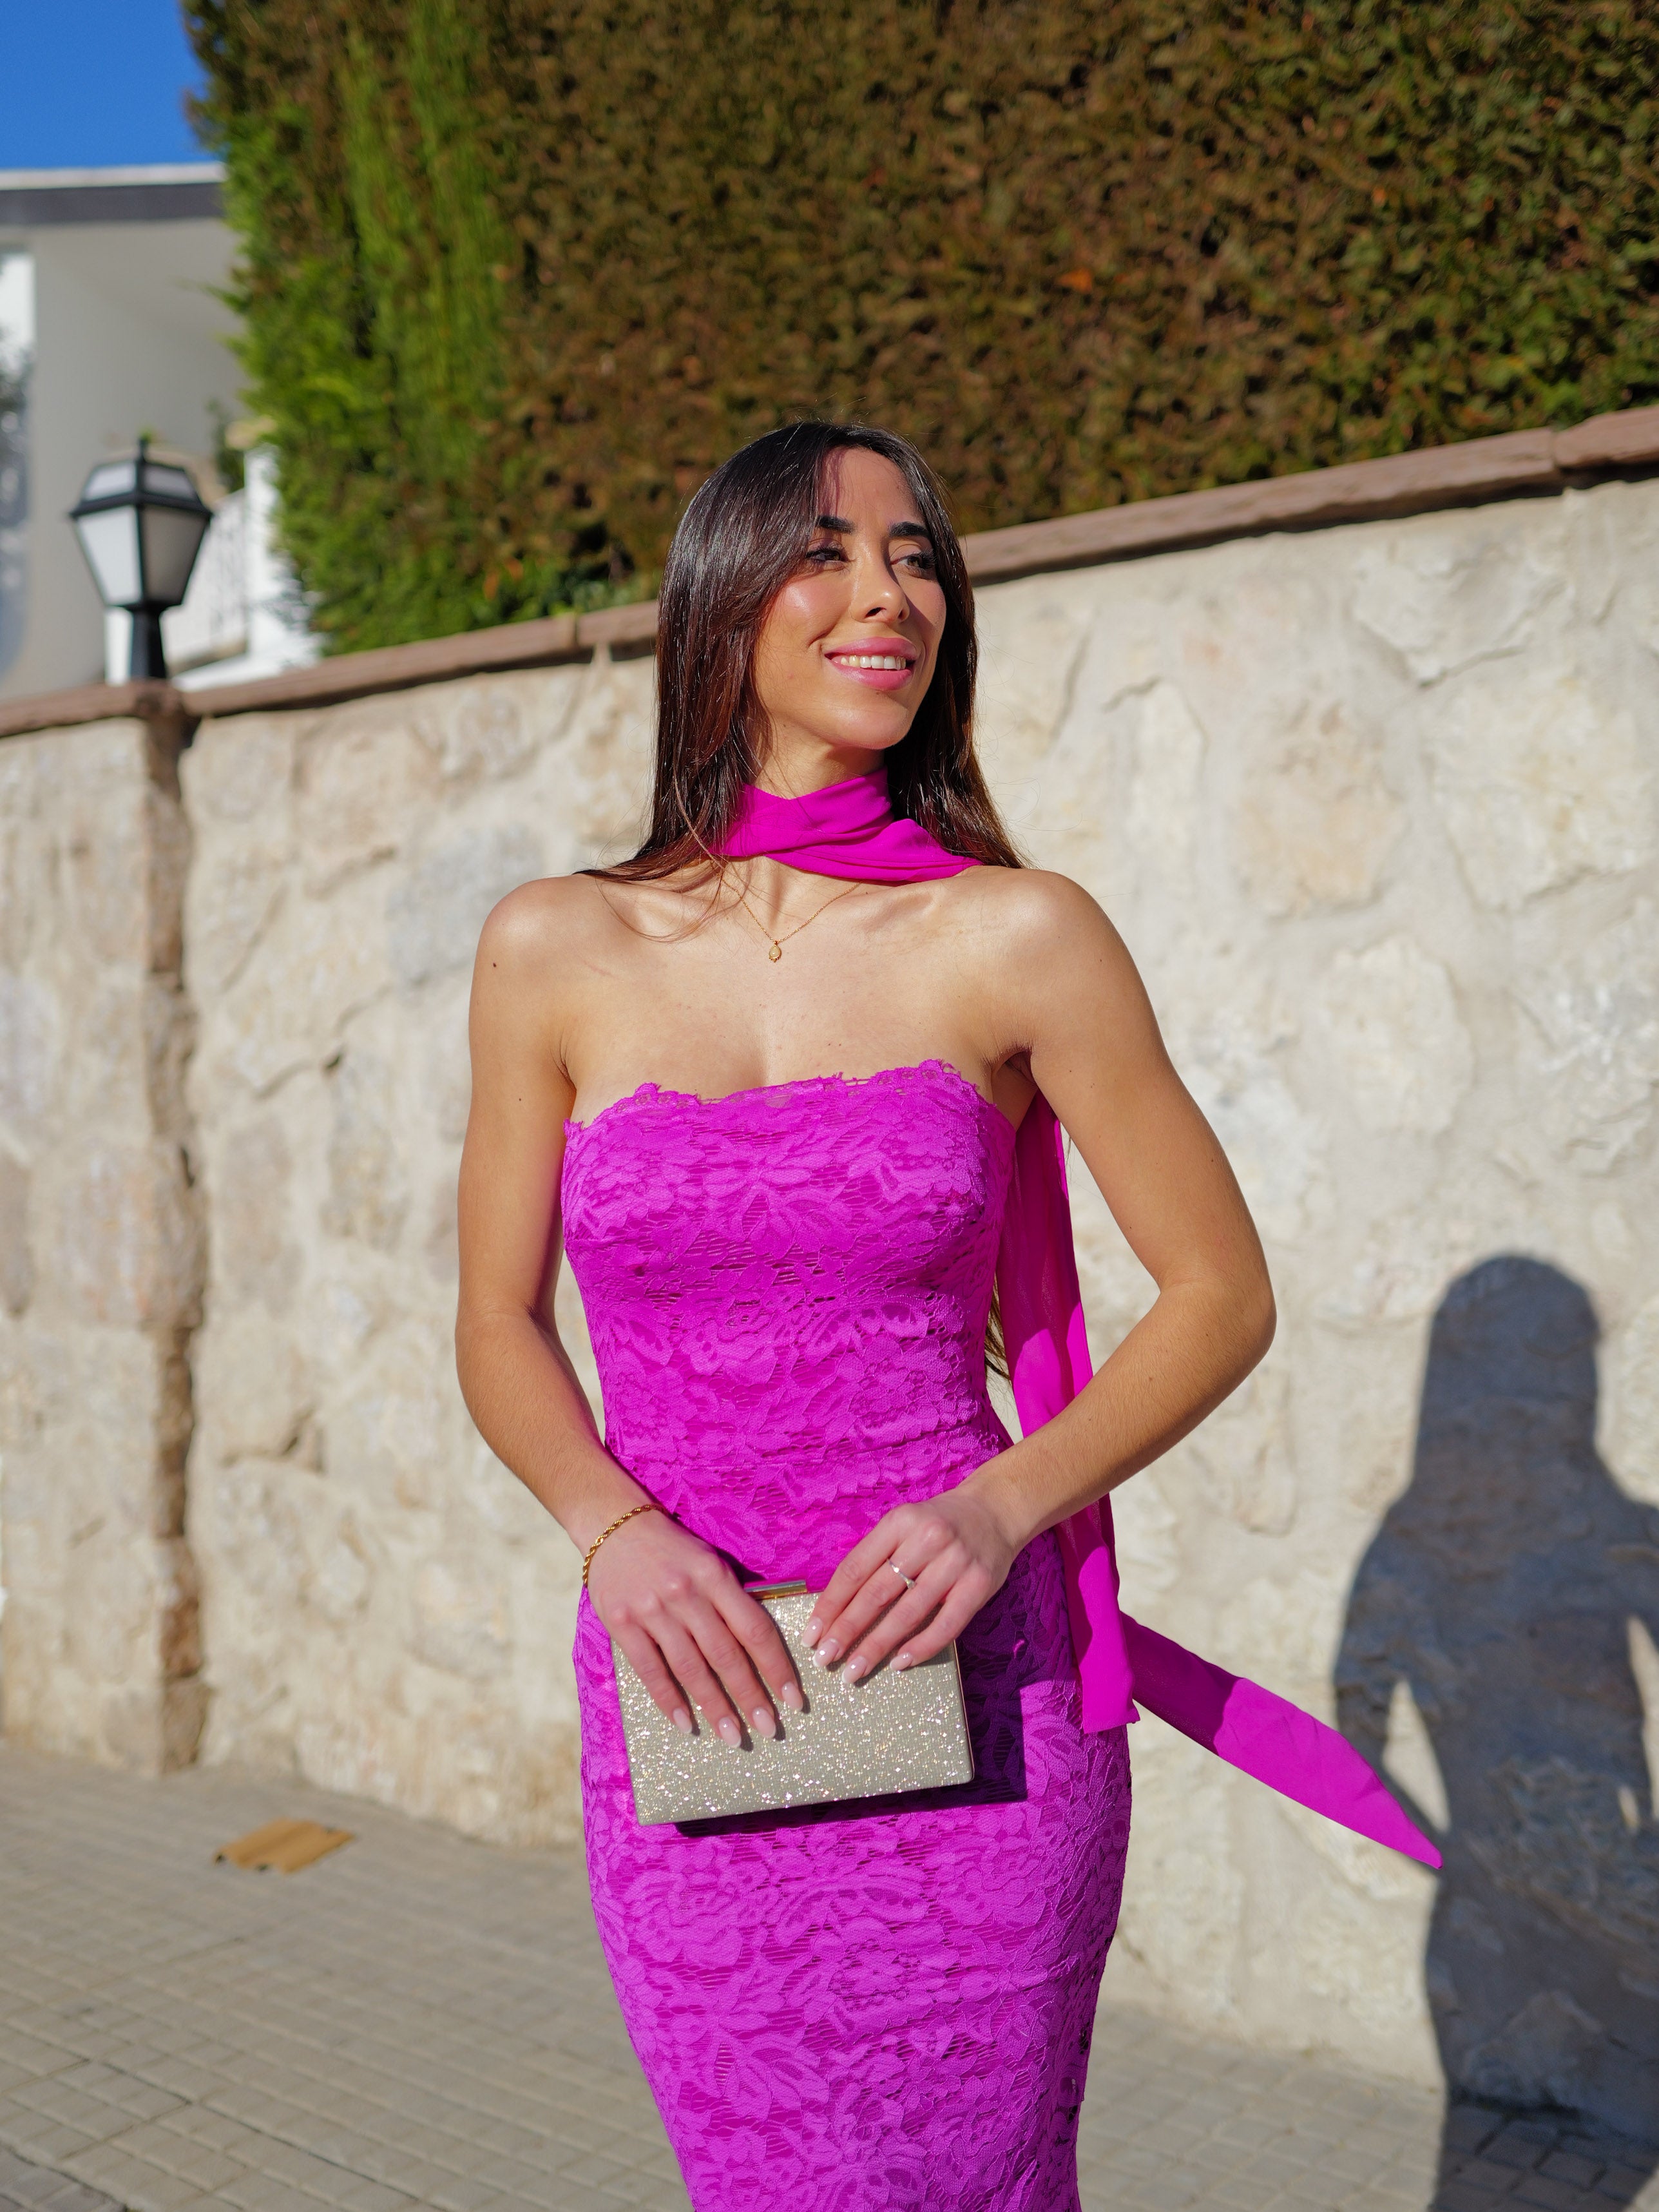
(1508, 1590)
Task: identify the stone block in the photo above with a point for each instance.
(16, 1260)
(252, 1386)
(477, 731)
(254, 1256)
(366, 784)
(367, 1187)
(435, 915)
(233, 901)
(395, 1430)
(1319, 819)
(458, 1622)
(239, 771)
(1631, 1403)
(1391, 1019)
(605, 759)
(1163, 787)
(31, 1026)
(1541, 779)
(123, 1244)
(1591, 1044)
(321, 960)
(1445, 597)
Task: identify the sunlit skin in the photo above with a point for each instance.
(583, 990)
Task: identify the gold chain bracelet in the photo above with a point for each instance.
(632, 1514)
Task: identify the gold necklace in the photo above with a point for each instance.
(778, 943)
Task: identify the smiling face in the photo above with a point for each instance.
(849, 647)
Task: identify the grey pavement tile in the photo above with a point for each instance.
(416, 2176)
(204, 2168)
(263, 2192)
(42, 2188)
(1467, 2197)
(1552, 2196)
(1520, 2146)
(647, 2191)
(1568, 2165)
(75, 2196)
(47, 2141)
(509, 2174)
(595, 2171)
(1248, 2127)
(464, 2194)
(299, 2168)
(1160, 2194)
(1491, 2174)
(334, 2184)
(152, 2189)
(143, 2186)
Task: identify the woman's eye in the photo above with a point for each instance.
(824, 554)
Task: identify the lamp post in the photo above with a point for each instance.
(141, 524)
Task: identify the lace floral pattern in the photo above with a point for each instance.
(886, 2005)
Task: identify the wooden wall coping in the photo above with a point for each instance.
(1520, 463)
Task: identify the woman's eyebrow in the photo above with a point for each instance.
(844, 528)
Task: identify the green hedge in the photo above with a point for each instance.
(518, 272)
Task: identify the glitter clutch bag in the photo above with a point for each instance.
(890, 1732)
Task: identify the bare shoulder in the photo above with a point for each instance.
(1047, 967)
(538, 928)
(1034, 915)
(536, 945)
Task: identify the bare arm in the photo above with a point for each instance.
(1077, 1002)
(669, 1600)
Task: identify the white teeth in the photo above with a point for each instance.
(871, 660)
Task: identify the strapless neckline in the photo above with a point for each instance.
(654, 1094)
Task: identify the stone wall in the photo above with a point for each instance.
(99, 1250)
(1375, 808)
(387, 1610)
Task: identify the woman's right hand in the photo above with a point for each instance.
(691, 1630)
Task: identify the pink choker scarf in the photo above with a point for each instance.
(850, 830)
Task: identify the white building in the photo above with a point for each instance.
(110, 285)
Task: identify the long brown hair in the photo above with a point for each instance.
(741, 539)
(744, 536)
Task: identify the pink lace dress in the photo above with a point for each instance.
(886, 2004)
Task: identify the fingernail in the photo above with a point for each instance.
(901, 1662)
(682, 1720)
(814, 1630)
(729, 1732)
(765, 1720)
(856, 1667)
(827, 1653)
(790, 1694)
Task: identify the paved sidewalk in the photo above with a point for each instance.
(419, 2022)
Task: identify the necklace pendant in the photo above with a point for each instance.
(776, 953)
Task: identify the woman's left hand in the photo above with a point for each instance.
(952, 1551)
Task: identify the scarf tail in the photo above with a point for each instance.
(849, 831)
(1118, 1660)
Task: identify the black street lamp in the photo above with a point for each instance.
(141, 524)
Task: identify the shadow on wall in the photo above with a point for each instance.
(1513, 1591)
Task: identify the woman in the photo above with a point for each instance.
(772, 1111)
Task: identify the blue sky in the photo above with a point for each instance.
(90, 83)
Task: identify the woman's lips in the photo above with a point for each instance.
(881, 671)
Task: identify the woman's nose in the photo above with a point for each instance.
(880, 591)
